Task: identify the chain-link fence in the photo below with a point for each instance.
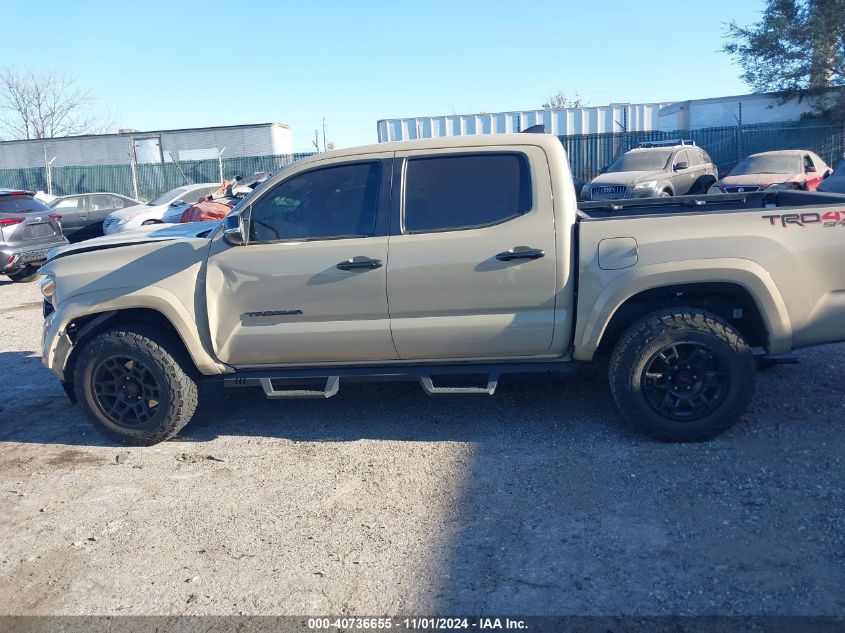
(147, 181)
(590, 153)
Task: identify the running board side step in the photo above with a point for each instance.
(489, 390)
(331, 389)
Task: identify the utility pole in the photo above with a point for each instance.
(316, 141)
(324, 134)
(220, 162)
(133, 165)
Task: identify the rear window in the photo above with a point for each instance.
(22, 204)
(447, 193)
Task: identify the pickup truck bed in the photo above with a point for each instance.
(785, 249)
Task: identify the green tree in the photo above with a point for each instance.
(797, 46)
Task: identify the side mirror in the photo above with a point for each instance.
(681, 166)
(811, 169)
(234, 229)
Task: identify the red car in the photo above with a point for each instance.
(783, 169)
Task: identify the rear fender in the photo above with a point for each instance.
(598, 303)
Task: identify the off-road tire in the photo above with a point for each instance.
(24, 275)
(166, 361)
(637, 348)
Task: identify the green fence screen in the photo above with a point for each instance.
(588, 155)
(152, 179)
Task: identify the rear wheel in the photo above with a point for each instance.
(682, 375)
(665, 194)
(135, 385)
(27, 273)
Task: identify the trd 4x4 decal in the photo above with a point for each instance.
(828, 219)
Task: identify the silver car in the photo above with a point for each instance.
(28, 229)
(153, 212)
(655, 170)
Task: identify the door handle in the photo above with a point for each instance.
(357, 263)
(520, 253)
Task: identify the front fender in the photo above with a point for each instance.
(598, 302)
(114, 300)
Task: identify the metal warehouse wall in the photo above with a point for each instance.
(568, 121)
(753, 109)
(113, 149)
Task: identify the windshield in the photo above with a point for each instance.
(640, 161)
(168, 196)
(768, 165)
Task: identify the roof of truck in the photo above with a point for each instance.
(445, 142)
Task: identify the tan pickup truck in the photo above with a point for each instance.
(451, 261)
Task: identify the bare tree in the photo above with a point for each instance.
(43, 105)
(558, 101)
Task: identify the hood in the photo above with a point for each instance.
(763, 180)
(833, 184)
(626, 177)
(141, 235)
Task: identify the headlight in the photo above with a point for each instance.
(585, 192)
(648, 184)
(47, 287)
(714, 189)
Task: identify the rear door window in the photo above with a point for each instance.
(447, 193)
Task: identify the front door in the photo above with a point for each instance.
(472, 270)
(310, 284)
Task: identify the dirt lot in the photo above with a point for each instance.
(384, 500)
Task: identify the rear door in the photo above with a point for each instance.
(472, 268)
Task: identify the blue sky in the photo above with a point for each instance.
(176, 64)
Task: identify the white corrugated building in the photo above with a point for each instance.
(620, 117)
(261, 139)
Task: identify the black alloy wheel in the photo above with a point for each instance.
(126, 391)
(685, 381)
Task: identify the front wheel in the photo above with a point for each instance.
(25, 274)
(135, 385)
(682, 375)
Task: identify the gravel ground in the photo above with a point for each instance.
(384, 500)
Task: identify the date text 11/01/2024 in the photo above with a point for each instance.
(416, 624)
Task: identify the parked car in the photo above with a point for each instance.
(83, 214)
(153, 211)
(486, 254)
(835, 183)
(28, 229)
(658, 169)
(781, 169)
(218, 204)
